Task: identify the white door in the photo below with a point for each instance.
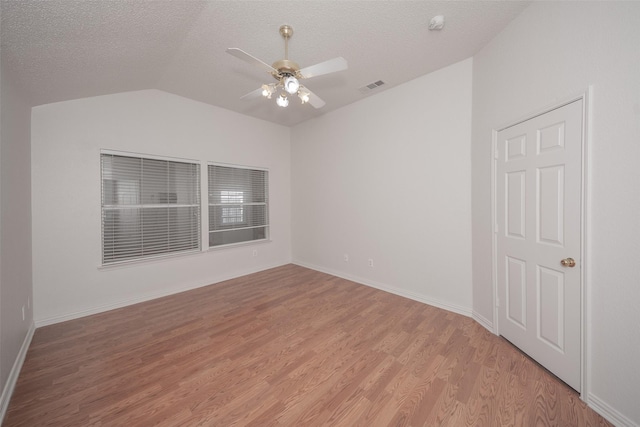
(538, 214)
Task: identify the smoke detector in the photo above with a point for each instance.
(436, 23)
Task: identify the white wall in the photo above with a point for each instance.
(388, 178)
(66, 141)
(15, 233)
(551, 51)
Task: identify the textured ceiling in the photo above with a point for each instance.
(64, 49)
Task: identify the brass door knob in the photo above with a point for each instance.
(568, 262)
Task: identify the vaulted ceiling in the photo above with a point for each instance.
(66, 49)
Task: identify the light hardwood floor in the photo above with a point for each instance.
(288, 346)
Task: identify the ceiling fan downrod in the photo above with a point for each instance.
(286, 31)
(285, 68)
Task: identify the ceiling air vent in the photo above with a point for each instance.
(371, 86)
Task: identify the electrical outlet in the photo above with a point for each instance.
(370, 262)
(255, 252)
(346, 257)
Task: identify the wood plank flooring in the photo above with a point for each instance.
(285, 347)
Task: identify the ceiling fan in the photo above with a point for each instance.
(288, 74)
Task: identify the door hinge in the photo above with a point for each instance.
(496, 228)
(496, 154)
(497, 302)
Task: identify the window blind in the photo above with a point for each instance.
(238, 205)
(150, 207)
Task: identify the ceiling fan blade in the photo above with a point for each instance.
(315, 100)
(241, 54)
(326, 67)
(252, 95)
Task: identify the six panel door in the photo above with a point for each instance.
(538, 213)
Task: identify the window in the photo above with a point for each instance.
(238, 205)
(150, 207)
(233, 214)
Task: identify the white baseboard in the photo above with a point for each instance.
(391, 289)
(10, 385)
(486, 323)
(150, 296)
(609, 413)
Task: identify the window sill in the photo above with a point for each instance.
(150, 260)
(240, 244)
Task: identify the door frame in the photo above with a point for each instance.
(585, 256)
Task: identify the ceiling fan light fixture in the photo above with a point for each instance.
(288, 75)
(267, 91)
(291, 85)
(282, 100)
(304, 96)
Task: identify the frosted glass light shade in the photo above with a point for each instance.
(304, 96)
(291, 85)
(282, 101)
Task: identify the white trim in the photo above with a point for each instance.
(150, 296)
(391, 289)
(554, 106)
(148, 156)
(585, 316)
(609, 413)
(494, 228)
(204, 208)
(10, 385)
(151, 259)
(239, 228)
(235, 245)
(586, 252)
(150, 205)
(483, 321)
(235, 166)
